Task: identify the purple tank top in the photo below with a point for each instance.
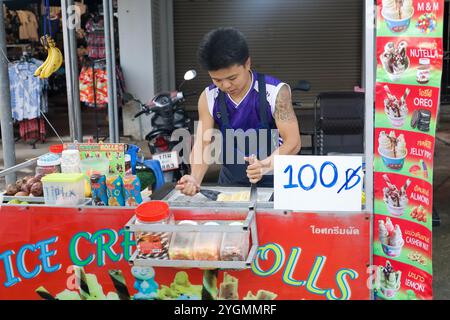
(245, 115)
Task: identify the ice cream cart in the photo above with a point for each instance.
(84, 252)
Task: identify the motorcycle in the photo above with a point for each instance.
(168, 115)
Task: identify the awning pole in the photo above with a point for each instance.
(71, 68)
(110, 63)
(6, 119)
(369, 83)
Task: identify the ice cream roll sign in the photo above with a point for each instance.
(409, 53)
(404, 152)
(405, 197)
(395, 280)
(409, 61)
(407, 107)
(400, 240)
(410, 17)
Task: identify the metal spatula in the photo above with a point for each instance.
(210, 194)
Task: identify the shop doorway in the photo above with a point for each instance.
(25, 48)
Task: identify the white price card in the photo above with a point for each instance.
(318, 183)
(168, 160)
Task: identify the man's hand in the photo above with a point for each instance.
(255, 169)
(188, 185)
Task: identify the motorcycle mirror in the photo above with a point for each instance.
(190, 74)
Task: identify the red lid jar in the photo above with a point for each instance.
(153, 245)
(56, 148)
(152, 212)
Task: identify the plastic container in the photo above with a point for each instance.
(63, 188)
(182, 243)
(235, 245)
(207, 244)
(47, 164)
(154, 245)
(70, 157)
(70, 161)
(94, 166)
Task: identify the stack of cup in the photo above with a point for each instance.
(70, 161)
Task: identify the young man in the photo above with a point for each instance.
(240, 98)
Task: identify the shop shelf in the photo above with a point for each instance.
(249, 224)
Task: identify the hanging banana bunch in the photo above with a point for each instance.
(54, 58)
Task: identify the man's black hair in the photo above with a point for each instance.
(222, 48)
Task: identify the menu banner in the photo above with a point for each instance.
(410, 61)
(404, 152)
(413, 19)
(409, 55)
(406, 107)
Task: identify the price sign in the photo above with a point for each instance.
(318, 183)
(168, 160)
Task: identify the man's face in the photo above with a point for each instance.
(232, 80)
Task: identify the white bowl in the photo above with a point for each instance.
(392, 251)
(396, 211)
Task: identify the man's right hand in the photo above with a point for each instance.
(188, 185)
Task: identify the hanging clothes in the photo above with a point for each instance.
(28, 25)
(95, 37)
(32, 130)
(28, 93)
(12, 25)
(101, 84)
(28, 98)
(87, 85)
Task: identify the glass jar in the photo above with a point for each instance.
(47, 164)
(207, 244)
(182, 243)
(70, 161)
(235, 245)
(154, 245)
(423, 71)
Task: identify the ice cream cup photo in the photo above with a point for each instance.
(392, 251)
(389, 293)
(397, 25)
(397, 121)
(392, 163)
(396, 211)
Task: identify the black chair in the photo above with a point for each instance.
(340, 126)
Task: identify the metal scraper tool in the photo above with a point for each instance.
(210, 194)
